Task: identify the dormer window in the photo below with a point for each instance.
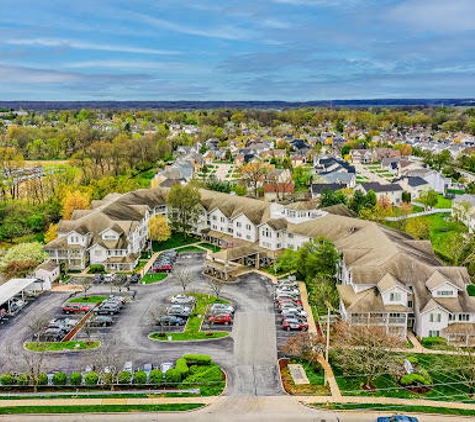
(445, 293)
(395, 297)
(464, 317)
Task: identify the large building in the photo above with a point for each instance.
(386, 277)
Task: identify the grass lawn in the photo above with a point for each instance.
(443, 202)
(395, 408)
(417, 208)
(173, 407)
(175, 241)
(315, 376)
(88, 299)
(140, 265)
(154, 278)
(210, 246)
(189, 249)
(192, 329)
(447, 385)
(45, 346)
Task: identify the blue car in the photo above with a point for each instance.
(397, 418)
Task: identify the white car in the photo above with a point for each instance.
(128, 367)
(165, 366)
(182, 299)
(221, 307)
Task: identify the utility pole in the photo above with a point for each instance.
(327, 348)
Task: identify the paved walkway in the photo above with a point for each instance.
(312, 327)
(330, 379)
(420, 214)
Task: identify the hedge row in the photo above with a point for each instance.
(197, 359)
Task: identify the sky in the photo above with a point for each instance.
(293, 50)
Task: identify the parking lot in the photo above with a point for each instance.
(248, 355)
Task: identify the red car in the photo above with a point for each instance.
(294, 324)
(225, 319)
(75, 307)
(297, 302)
(160, 267)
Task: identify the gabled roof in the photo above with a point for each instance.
(437, 279)
(378, 187)
(388, 282)
(276, 223)
(432, 304)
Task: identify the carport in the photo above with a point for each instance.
(17, 286)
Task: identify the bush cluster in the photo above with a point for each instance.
(197, 359)
(182, 367)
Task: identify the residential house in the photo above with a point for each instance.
(463, 209)
(413, 184)
(435, 179)
(278, 191)
(391, 165)
(317, 188)
(391, 191)
(361, 156)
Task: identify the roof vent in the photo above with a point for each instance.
(352, 229)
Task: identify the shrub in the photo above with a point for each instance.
(156, 377)
(413, 360)
(140, 377)
(75, 378)
(42, 379)
(198, 359)
(434, 341)
(193, 369)
(124, 377)
(173, 376)
(427, 378)
(23, 379)
(205, 375)
(91, 378)
(96, 269)
(60, 378)
(182, 367)
(7, 379)
(412, 379)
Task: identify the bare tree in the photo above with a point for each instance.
(305, 345)
(31, 363)
(156, 312)
(183, 278)
(85, 283)
(108, 362)
(366, 350)
(118, 281)
(215, 285)
(37, 325)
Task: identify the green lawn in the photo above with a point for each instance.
(174, 407)
(175, 241)
(192, 329)
(154, 278)
(443, 202)
(45, 346)
(447, 384)
(210, 246)
(395, 408)
(88, 299)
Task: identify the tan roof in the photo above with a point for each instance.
(388, 282)
(128, 259)
(277, 223)
(339, 209)
(48, 265)
(366, 301)
(460, 328)
(437, 279)
(303, 206)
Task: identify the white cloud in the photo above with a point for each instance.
(435, 15)
(226, 32)
(80, 45)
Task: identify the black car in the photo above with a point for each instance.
(135, 278)
(98, 279)
(168, 320)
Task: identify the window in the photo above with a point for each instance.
(266, 232)
(444, 293)
(238, 234)
(279, 245)
(434, 333)
(435, 318)
(222, 219)
(395, 297)
(248, 227)
(409, 303)
(215, 227)
(214, 218)
(464, 317)
(238, 224)
(290, 235)
(452, 317)
(248, 237)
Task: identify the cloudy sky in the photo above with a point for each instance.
(236, 50)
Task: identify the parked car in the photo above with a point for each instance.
(294, 324)
(107, 308)
(287, 290)
(70, 308)
(66, 322)
(108, 278)
(54, 333)
(290, 283)
(98, 278)
(162, 266)
(397, 418)
(225, 319)
(289, 312)
(147, 368)
(128, 367)
(214, 312)
(283, 295)
(183, 299)
(135, 278)
(222, 307)
(168, 320)
(100, 321)
(179, 310)
(165, 366)
(288, 299)
(291, 318)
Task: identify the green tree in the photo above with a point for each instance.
(358, 201)
(417, 227)
(184, 207)
(406, 197)
(24, 252)
(429, 198)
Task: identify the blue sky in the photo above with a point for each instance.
(236, 50)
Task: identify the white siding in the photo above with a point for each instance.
(428, 324)
(243, 226)
(98, 254)
(391, 293)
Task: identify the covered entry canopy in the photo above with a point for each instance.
(14, 287)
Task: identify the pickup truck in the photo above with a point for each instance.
(397, 418)
(70, 308)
